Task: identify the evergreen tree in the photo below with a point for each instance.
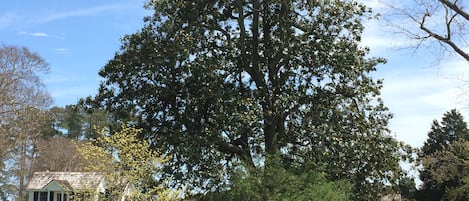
(451, 128)
(448, 169)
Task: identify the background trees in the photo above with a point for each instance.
(57, 154)
(218, 84)
(79, 122)
(451, 128)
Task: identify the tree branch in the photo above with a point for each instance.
(456, 9)
(443, 39)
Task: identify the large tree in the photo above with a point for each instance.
(23, 117)
(216, 84)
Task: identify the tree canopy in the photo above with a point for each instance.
(451, 128)
(216, 84)
(441, 139)
(449, 169)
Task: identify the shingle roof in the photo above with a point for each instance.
(73, 180)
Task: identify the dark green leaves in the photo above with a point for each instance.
(218, 83)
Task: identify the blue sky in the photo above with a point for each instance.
(77, 38)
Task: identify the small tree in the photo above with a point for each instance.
(127, 163)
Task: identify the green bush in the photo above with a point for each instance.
(279, 184)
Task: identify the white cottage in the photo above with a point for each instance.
(60, 186)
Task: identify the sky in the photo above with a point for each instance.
(77, 38)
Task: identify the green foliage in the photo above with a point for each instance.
(279, 184)
(78, 122)
(127, 163)
(449, 169)
(217, 82)
(451, 128)
(442, 134)
(407, 188)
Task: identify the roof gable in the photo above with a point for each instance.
(66, 180)
(58, 185)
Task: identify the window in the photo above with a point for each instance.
(40, 196)
(59, 197)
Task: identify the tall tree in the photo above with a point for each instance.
(451, 128)
(216, 83)
(23, 102)
(449, 168)
(441, 21)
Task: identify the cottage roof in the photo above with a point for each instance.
(69, 180)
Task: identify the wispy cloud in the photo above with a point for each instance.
(19, 18)
(62, 50)
(40, 34)
(79, 12)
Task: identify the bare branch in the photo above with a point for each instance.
(455, 8)
(443, 39)
(433, 16)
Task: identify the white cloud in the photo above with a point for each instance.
(418, 87)
(39, 34)
(416, 96)
(62, 50)
(79, 12)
